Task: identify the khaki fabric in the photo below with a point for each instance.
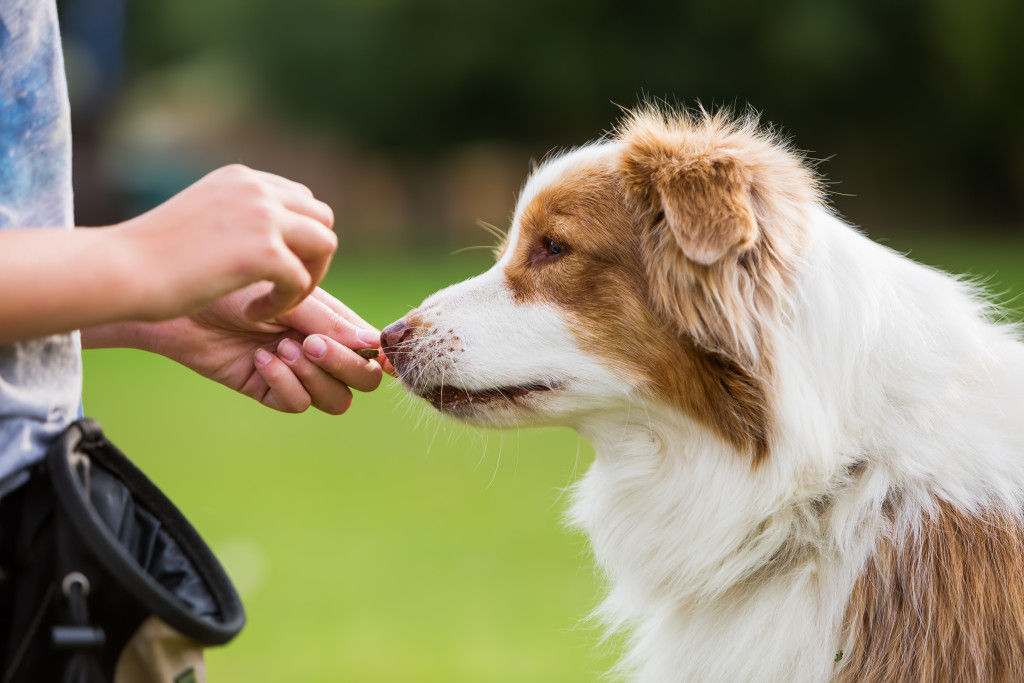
(158, 653)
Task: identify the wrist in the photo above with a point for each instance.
(121, 335)
(120, 272)
(133, 275)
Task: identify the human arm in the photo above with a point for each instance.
(233, 227)
(216, 278)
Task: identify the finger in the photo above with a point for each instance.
(297, 268)
(341, 309)
(317, 270)
(342, 363)
(313, 316)
(368, 333)
(311, 242)
(386, 366)
(292, 282)
(328, 393)
(306, 205)
(307, 238)
(348, 314)
(285, 391)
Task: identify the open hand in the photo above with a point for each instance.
(298, 359)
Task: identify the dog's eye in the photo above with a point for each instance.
(546, 250)
(554, 248)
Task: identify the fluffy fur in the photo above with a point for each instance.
(809, 449)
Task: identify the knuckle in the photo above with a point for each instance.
(371, 378)
(330, 240)
(339, 406)
(303, 279)
(234, 171)
(341, 328)
(257, 261)
(298, 405)
(319, 241)
(376, 377)
(329, 216)
(253, 189)
(262, 213)
(293, 280)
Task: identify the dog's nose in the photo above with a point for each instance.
(394, 334)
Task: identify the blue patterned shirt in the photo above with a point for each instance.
(40, 379)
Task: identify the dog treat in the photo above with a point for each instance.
(368, 354)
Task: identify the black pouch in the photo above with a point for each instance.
(111, 583)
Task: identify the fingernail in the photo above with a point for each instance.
(263, 356)
(368, 336)
(289, 350)
(315, 346)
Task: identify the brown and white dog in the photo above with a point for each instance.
(809, 449)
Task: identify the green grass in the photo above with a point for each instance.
(388, 544)
(383, 545)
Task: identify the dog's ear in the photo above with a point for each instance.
(703, 193)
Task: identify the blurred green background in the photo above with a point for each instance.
(388, 544)
(384, 545)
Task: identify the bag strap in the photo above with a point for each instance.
(70, 475)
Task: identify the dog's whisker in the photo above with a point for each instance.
(497, 461)
(476, 247)
(495, 232)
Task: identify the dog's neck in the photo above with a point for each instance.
(705, 580)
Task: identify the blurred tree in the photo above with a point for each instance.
(927, 93)
(93, 38)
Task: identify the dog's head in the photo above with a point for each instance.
(648, 265)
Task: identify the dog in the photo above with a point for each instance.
(809, 449)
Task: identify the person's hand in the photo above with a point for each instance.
(223, 279)
(233, 227)
(299, 359)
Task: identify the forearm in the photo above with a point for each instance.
(232, 228)
(54, 281)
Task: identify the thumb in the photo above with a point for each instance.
(312, 316)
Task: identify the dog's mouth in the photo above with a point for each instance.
(448, 398)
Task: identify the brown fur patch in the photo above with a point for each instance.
(705, 199)
(677, 251)
(727, 203)
(945, 604)
(601, 282)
